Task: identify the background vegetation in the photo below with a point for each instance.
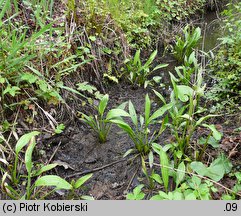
(58, 62)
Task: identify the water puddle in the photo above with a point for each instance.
(212, 30)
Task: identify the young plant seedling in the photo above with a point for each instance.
(140, 133)
(139, 73)
(98, 122)
(101, 123)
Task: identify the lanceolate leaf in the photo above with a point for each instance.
(160, 66)
(103, 104)
(24, 140)
(180, 173)
(46, 168)
(124, 126)
(160, 112)
(203, 119)
(82, 180)
(151, 58)
(164, 168)
(151, 159)
(28, 155)
(53, 180)
(160, 96)
(147, 109)
(115, 113)
(132, 113)
(128, 152)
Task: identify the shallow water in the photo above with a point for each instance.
(212, 30)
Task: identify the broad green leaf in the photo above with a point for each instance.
(12, 90)
(53, 180)
(189, 195)
(176, 195)
(28, 155)
(213, 142)
(115, 113)
(223, 161)
(160, 112)
(45, 169)
(2, 80)
(184, 92)
(137, 193)
(161, 196)
(195, 182)
(238, 176)
(24, 140)
(215, 172)
(199, 168)
(156, 197)
(216, 134)
(147, 109)
(180, 173)
(103, 104)
(29, 77)
(157, 178)
(82, 180)
(132, 113)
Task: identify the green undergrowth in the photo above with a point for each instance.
(225, 68)
(56, 58)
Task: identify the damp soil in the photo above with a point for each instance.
(78, 151)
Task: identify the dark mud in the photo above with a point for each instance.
(82, 153)
(78, 152)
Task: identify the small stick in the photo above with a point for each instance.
(94, 170)
(99, 168)
(55, 151)
(132, 178)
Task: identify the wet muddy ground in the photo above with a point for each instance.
(78, 152)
